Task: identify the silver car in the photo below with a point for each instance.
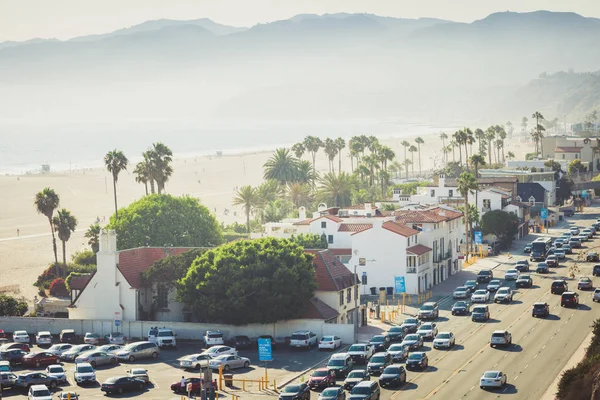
(116, 338)
(75, 351)
(96, 358)
(194, 361)
(229, 362)
(110, 348)
(59, 349)
(138, 350)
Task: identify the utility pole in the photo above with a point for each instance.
(355, 306)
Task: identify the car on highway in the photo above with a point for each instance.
(59, 349)
(84, 373)
(354, 377)
(472, 284)
(28, 379)
(527, 248)
(57, 371)
(216, 351)
(461, 308)
(43, 338)
(417, 360)
(139, 373)
(492, 379)
(396, 333)
(552, 261)
(410, 325)
(393, 375)
(522, 266)
(299, 391)
(558, 243)
(480, 313)
(428, 330)
(501, 338)
(39, 358)
(333, 393)
(480, 296)
(588, 232)
(596, 295)
(96, 358)
(560, 254)
(574, 231)
(428, 310)
(542, 268)
(540, 309)
(366, 391)
(361, 352)
(340, 364)
(321, 378)
(569, 299)
(596, 270)
(461, 292)
(524, 281)
(484, 276)
(228, 362)
(120, 384)
(413, 341)
(585, 283)
(494, 285)
(504, 294)
(444, 340)
(92, 338)
(331, 342)
(39, 392)
(75, 351)
(194, 361)
(7, 380)
(380, 343)
(575, 243)
(398, 352)
(567, 248)
(378, 362)
(21, 337)
(511, 275)
(559, 286)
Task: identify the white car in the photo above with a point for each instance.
(503, 294)
(57, 371)
(58, 349)
(560, 254)
(229, 362)
(511, 275)
(461, 292)
(428, 330)
(495, 379)
(39, 392)
(213, 338)
(398, 352)
(21, 337)
(330, 342)
(501, 338)
(494, 285)
(84, 373)
(216, 351)
(43, 338)
(194, 361)
(445, 340)
(596, 295)
(480, 296)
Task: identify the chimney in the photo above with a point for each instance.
(441, 181)
(302, 213)
(368, 207)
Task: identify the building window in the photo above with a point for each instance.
(348, 295)
(162, 296)
(519, 199)
(411, 264)
(330, 239)
(487, 204)
(563, 156)
(450, 193)
(432, 192)
(342, 298)
(532, 201)
(323, 224)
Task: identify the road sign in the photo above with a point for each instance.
(265, 351)
(117, 322)
(478, 237)
(399, 284)
(543, 213)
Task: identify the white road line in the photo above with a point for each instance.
(552, 337)
(472, 387)
(526, 366)
(517, 377)
(155, 384)
(535, 356)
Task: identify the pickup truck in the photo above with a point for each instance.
(361, 352)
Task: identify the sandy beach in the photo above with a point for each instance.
(88, 194)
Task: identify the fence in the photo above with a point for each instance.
(389, 312)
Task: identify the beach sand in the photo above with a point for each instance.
(88, 194)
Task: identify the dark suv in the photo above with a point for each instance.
(540, 310)
(569, 299)
(596, 270)
(485, 275)
(559, 287)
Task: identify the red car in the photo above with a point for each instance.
(39, 359)
(321, 378)
(14, 346)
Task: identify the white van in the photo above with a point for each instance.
(213, 338)
(162, 337)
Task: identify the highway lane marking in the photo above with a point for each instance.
(517, 377)
(472, 387)
(526, 366)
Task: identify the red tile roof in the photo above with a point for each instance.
(133, 262)
(317, 309)
(331, 274)
(568, 149)
(354, 227)
(433, 215)
(79, 282)
(399, 229)
(303, 222)
(341, 252)
(418, 249)
(329, 217)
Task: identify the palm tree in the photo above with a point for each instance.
(336, 190)
(304, 173)
(490, 135)
(282, 166)
(510, 155)
(524, 124)
(412, 150)
(143, 175)
(372, 163)
(150, 169)
(501, 133)
(510, 128)
(469, 140)
(331, 151)
(459, 140)
(93, 236)
(298, 149)
(406, 146)
(115, 162)
(444, 136)
(312, 144)
(396, 168)
(466, 183)
(340, 145)
(447, 150)
(372, 144)
(299, 194)
(385, 154)
(453, 145)
(539, 128)
(419, 141)
(248, 198)
(406, 163)
(356, 147)
(65, 224)
(160, 157)
(476, 161)
(45, 203)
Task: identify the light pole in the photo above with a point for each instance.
(355, 305)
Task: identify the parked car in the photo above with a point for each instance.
(411, 325)
(417, 360)
(73, 352)
(540, 310)
(122, 384)
(596, 270)
(596, 295)
(15, 346)
(303, 339)
(96, 358)
(398, 352)
(5, 366)
(116, 338)
(139, 373)
(213, 338)
(109, 348)
(138, 350)
(480, 313)
(92, 338)
(504, 294)
(378, 362)
(228, 362)
(300, 391)
(239, 342)
(356, 376)
(559, 286)
(43, 338)
(68, 336)
(483, 276)
(216, 351)
(177, 388)
(194, 361)
(21, 337)
(35, 378)
(39, 359)
(7, 380)
(501, 338)
(524, 281)
(321, 378)
(495, 379)
(14, 356)
(461, 308)
(392, 375)
(380, 343)
(57, 371)
(428, 330)
(59, 349)
(542, 268)
(38, 392)
(428, 310)
(444, 340)
(272, 339)
(333, 393)
(68, 395)
(330, 342)
(569, 299)
(585, 283)
(480, 296)
(84, 373)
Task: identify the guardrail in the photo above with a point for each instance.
(227, 380)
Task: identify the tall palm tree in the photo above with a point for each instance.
(371, 161)
(340, 145)
(356, 147)
(476, 161)
(459, 140)
(480, 136)
(396, 168)
(93, 236)
(419, 141)
(466, 183)
(282, 166)
(510, 155)
(501, 134)
(312, 144)
(412, 150)
(115, 162)
(150, 169)
(45, 203)
(444, 136)
(539, 128)
(510, 128)
(65, 224)
(469, 140)
(161, 158)
(385, 154)
(406, 146)
(331, 151)
(406, 163)
(248, 198)
(524, 124)
(298, 149)
(143, 173)
(490, 135)
(299, 194)
(336, 190)
(304, 173)
(453, 145)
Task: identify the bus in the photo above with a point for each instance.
(539, 248)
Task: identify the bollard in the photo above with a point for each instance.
(275, 385)
(243, 384)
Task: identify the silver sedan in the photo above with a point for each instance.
(96, 358)
(229, 362)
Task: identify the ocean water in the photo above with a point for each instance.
(76, 144)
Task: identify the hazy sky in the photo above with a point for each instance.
(62, 19)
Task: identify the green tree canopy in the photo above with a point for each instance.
(564, 190)
(84, 257)
(165, 220)
(310, 241)
(576, 166)
(11, 307)
(502, 224)
(249, 281)
(171, 269)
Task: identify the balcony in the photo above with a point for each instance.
(411, 270)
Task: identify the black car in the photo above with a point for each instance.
(596, 270)
(240, 342)
(380, 342)
(569, 299)
(14, 356)
(417, 361)
(411, 325)
(393, 375)
(120, 384)
(378, 363)
(522, 266)
(333, 393)
(300, 391)
(592, 257)
(524, 281)
(396, 333)
(540, 310)
(527, 248)
(461, 308)
(559, 287)
(355, 377)
(484, 276)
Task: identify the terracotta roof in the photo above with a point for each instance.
(341, 252)
(303, 222)
(354, 227)
(399, 229)
(430, 216)
(329, 217)
(331, 274)
(82, 289)
(133, 262)
(79, 282)
(317, 309)
(359, 207)
(568, 149)
(418, 249)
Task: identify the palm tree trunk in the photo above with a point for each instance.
(248, 221)
(314, 155)
(351, 163)
(420, 173)
(466, 153)
(405, 164)
(453, 155)
(489, 151)
(64, 246)
(115, 192)
(460, 154)
(467, 226)
(146, 187)
(412, 164)
(53, 241)
(152, 186)
(339, 161)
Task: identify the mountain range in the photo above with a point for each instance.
(307, 67)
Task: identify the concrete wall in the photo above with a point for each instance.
(184, 330)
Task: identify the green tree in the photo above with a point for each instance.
(331, 151)
(503, 224)
(510, 155)
(299, 194)
(93, 235)
(143, 174)
(312, 144)
(64, 224)
(510, 129)
(460, 139)
(406, 145)
(169, 270)
(576, 167)
(564, 190)
(249, 281)
(476, 161)
(490, 135)
(466, 183)
(539, 129)
(282, 167)
(480, 136)
(115, 162)
(160, 157)
(419, 141)
(310, 241)
(443, 137)
(304, 173)
(275, 211)
(356, 147)
(249, 199)
(45, 203)
(298, 149)
(336, 190)
(11, 307)
(340, 144)
(412, 150)
(469, 141)
(84, 257)
(165, 220)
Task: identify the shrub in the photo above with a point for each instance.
(84, 257)
(58, 287)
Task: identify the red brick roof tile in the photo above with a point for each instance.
(133, 262)
(317, 309)
(341, 252)
(399, 229)
(568, 149)
(303, 222)
(418, 249)
(331, 274)
(329, 217)
(354, 227)
(433, 215)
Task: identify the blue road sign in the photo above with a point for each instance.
(265, 351)
(543, 213)
(399, 284)
(478, 237)
(117, 322)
